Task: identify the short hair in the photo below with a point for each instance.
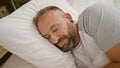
(43, 11)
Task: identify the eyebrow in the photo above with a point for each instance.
(50, 29)
(53, 26)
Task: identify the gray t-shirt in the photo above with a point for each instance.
(103, 24)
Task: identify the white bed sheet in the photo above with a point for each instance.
(78, 5)
(14, 61)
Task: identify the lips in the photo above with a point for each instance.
(62, 43)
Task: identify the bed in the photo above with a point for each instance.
(26, 60)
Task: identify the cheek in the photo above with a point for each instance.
(63, 31)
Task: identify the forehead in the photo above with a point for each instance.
(46, 21)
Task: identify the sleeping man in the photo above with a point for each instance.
(96, 33)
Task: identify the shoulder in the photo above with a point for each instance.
(93, 9)
(91, 14)
(98, 7)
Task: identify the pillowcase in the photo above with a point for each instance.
(19, 36)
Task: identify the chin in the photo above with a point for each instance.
(66, 50)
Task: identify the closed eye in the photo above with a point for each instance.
(55, 28)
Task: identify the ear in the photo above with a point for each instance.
(68, 16)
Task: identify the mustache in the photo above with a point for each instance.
(60, 39)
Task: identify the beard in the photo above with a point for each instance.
(69, 39)
(65, 47)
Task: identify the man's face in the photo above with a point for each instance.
(57, 29)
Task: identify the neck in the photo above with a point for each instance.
(77, 36)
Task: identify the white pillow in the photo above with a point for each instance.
(19, 36)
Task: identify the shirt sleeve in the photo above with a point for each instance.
(103, 24)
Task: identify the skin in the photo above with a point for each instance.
(114, 55)
(58, 29)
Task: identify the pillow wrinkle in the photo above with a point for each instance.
(19, 36)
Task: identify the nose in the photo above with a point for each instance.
(53, 39)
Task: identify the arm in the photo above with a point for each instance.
(114, 55)
(113, 65)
